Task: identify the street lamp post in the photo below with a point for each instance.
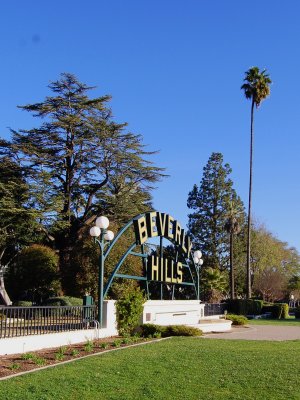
(105, 237)
(198, 263)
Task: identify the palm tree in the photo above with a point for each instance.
(232, 227)
(256, 88)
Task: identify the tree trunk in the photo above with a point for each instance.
(232, 291)
(249, 292)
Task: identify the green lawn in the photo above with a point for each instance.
(179, 368)
(287, 322)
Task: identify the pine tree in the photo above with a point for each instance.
(211, 202)
(74, 159)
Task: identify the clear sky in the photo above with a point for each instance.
(174, 69)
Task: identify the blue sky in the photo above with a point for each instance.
(174, 69)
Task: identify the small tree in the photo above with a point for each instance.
(35, 274)
(232, 227)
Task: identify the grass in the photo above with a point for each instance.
(179, 368)
(285, 322)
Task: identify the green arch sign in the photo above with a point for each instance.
(176, 269)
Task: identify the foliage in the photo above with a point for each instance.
(183, 330)
(267, 253)
(245, 307)
(280, 311)
(63, 301)
(211, 202)
(271, 284)
(214, 283)
(80, 163)
(152, 330)
(22, 303)
(129, 311)
(237, 319)
(35, 274)
(297, 312)
(257, 85)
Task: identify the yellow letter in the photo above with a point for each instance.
(169, 228)
(177, 233)
(154, 268)
(151, 224)
(140, 230)
(179, 272)
(161, 223)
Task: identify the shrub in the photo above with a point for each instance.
(237, 319)
(151, 330)
(267, 308)
(156, 331)
(22, 303)
(245, 307)
(37, 272)
(129, 311)
(280, 311)
(89, 346)
(63, 301)
(182, 330)
(297, 312)
(117, 343)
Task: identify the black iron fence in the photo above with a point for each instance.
(22, 321)
(211, 309)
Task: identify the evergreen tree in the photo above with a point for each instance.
(74, 159)
(211, 203)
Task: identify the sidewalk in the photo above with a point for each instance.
(259, 332)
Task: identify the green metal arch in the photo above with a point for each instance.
(129, 251)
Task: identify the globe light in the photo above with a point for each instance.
(196, 260)
(109, 236)
(102, 222)
(200, 262)
(198, 254)
(95, 231)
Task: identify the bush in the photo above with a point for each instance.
(36, 273)
(22, 303)
(245, 307)
(62, 301)
(280, 311)
(297, 312)
(237, 319)
(182, 330)
(129, 311)
(151, 330)
(267, 308)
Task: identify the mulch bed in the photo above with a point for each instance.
(16, 363)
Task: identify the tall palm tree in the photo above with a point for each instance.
(232, 227)
(256, 88)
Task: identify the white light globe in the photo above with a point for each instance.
(109, 235)
(196, 260)
(102, 222)
(200, 261)
(198, 254)
(95, 231)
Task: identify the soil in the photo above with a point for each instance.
(16, 363)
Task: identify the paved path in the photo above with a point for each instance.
(259, 332)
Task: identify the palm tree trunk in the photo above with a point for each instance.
(249, 292)
(232, 291)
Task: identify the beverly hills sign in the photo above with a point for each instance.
(156, 224)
